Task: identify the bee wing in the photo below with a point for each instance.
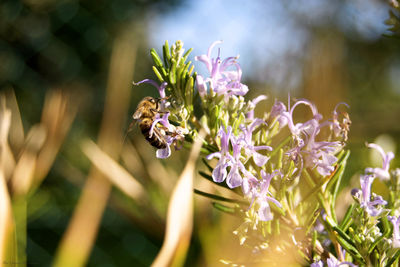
(137, 115)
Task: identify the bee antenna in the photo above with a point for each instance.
(164, 98)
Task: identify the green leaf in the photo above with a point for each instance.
(394, 258)
(281, 145)
(312, 218)
(179, 83)
(346, 222)
(158, 74)
(339, 231)
(280, 159)
(166, 54)
(385, 234)
(338, 175)
(210, 169)
(172, 72)
(223, 208)
(220, 198)
(189, 91)
(186, 54)
(157, 60)
(350, 249)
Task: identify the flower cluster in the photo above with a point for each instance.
(297, 165)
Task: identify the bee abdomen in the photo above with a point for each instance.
(154, 140)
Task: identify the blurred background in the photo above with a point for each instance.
(326, 51)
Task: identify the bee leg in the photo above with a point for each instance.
(158, 111)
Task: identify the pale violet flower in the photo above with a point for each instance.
(307, 151)
(237, 169)
(298, 128)
(364, 196)
(234, 178)
(277, 112)
(332, 262)
(396, 234)
(319, 154)
(161, 88)
(317, 264)
(245, 140)
(382, 173)
(257, 191)
(252, 105)
(222, 81)
(219, 173)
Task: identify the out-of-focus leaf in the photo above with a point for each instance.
(7, 245)
(24, 171)
(78, 240)
(220, 198)
(6, 155)
(395, 257)
(113, 171)
(180, 215)
(57, 117)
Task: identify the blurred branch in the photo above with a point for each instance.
(57, 116)
(113, 171)
(180, 215)
(80, 235)
(7, 242)
(148, 221)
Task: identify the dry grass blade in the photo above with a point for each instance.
(57, 116)
(79, 238)
(7, 245)
(25, 169)
(16, 136)
(180, 216)
(6, 223)
(7, 158)
(113, 171)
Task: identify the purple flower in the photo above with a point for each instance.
(234, 179)
(276, 112)
(311, 153)
(258, 191)
(163, 153)
(382, 173)
(222, 81)
(364, 196)
(396, 235)
(298, 128)
(219, 173)
(317, 264)
(245, 140)
(252, 105)
(161, 88)
(237, 169)
(319, 154)
(333, 262)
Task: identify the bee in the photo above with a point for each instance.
(145, 115)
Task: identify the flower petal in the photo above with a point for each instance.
(163, 153)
